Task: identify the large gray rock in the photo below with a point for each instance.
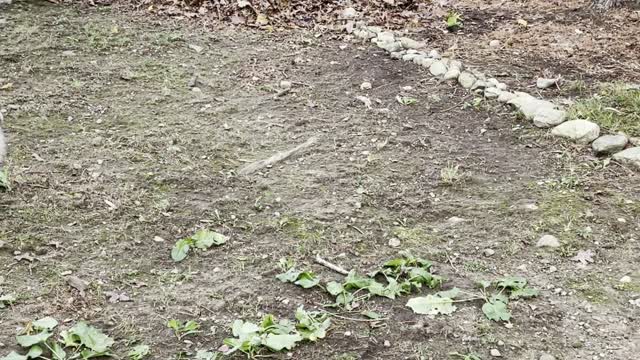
(386, 36)
(542, 83)
(438, 68)
(390, 46)
(580, 131)
(506, 96)
(609, 144)
(630, 156)
(466, 79)
(452, 73)
(543, 113)
(492, 93)
(549, 117)
(425, 62)
(408, 43)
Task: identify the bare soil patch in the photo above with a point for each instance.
(114, 143)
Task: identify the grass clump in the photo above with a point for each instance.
(616, 107)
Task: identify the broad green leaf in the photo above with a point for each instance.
(47, 323)
(29, 340)
(89, 354)
(191, 326)
(14, 356)
(451, 293)
(307, 280)
(431, 305)
(334, 288)
(394, 263)
(371, 314)
(514, 282)
(496, 311)
(69, 339)
(91, 337)
(243, 329)
(290, 276)
(204, 239)
(280, 342)
(138, 352)
(344, 298)
(524, 293)
(354, 281)
(174, 325)
(267, 321)
(180, 250)
(206, 355)
(34, 352)
(312, 325)
(499, 297)
(57, 352)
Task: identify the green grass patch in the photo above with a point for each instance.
(615, 108)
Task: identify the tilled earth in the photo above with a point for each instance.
(126, 134)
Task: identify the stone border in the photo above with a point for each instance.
(543, 113)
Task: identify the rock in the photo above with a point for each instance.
(452, 74)
(412, 51)
(391, 46)
(409, 57)
(410, 43)
(542, 83)
(197, 48)
(502, 86)
(365, 86)
(495, 353)
(506, 96)
(438, 68)
(397, 54)
(375, 29)
(349, 13)
(488, 252)
(479, 84)
(466, 79)
(285, 85)
(543, 113)
(454, 220)
(609, 144)
(629, 156)
(625, 279)
(548, 241)
(425, 62)
(434, 54)
(386, 36)
(68, 53)
(494, 43)
(635, 141)
(546, 356)
(492, 93)
(393, 242)
(387, 343)
(455, 64)
(548, 117)
(580, 131)
(493, 82)
(97, 141)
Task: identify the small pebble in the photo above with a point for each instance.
(625, 279)
(489, 252)
(494, 43)
(387, 343)
(365, 85)
(285, 85)
(495, 353)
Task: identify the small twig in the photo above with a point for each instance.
(356, 229)
(451, 263)
(331, 266)
(255, 166)
(282, 93)
(353, 319)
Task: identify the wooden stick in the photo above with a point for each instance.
(331, 266)
(255, 166)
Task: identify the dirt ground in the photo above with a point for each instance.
(113, 144)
